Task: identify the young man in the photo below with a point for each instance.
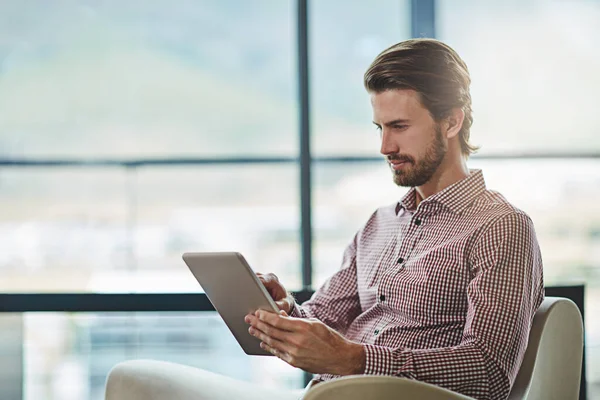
(440, 287)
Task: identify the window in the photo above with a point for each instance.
(345, 37)
(138, 81)
(534, 70)
(175, 105)
(106, 79)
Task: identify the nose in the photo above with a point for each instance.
(388, 146)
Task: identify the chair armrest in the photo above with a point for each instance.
(154, 380)
(358, 387)
(158, 380)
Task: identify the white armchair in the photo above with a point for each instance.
(550, 370)
(159, 380)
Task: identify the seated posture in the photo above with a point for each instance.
(441, 286)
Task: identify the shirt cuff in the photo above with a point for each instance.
(382, 360)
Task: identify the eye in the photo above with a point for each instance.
(400, 127)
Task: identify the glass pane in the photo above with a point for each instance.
(250, 209)
(346, 195)
(534, 66)
(147, 79)
(59, 226)
(68, 356)
(345, 37)
(125, 231)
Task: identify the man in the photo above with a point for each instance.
(440, 287)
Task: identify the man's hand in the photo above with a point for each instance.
(284, 300)
(307, 344)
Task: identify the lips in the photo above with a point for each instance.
(397, 165)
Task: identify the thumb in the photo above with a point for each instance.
(283, 313)
(281, 304)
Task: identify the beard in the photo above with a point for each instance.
(419, 172)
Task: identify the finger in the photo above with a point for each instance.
(282, 312)
(281, 345)
(262, 326)
(262, 279)
(270, 349)
(263, 337)
(270, 331)
(269, 278)
(270, 282)
(282, 305)
(276, 351)
(279, 321)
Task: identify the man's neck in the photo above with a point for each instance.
(445, 176)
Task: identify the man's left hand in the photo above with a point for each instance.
(307, 344)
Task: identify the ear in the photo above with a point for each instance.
(454, 122)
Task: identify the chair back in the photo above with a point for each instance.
(551, 367)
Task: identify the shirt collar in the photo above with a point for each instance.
(455, 197)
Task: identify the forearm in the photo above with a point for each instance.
(464, 369)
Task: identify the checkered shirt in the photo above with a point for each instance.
(443, 293)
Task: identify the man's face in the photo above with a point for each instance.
(411, 140)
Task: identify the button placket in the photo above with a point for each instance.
(414, 234)
(401, 265)
(404, 247)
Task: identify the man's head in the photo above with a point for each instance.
(421, 102)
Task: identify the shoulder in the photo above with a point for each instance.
(501, 223)
(493, 209)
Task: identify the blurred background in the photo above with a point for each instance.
(133, 131)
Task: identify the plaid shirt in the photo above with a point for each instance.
(443, 293)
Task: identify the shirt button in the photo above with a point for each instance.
(382, 298)
(376, 332)
(417, 222)
(400, 260)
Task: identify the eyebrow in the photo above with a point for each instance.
(394, 122)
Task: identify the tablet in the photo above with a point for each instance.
(234, 290)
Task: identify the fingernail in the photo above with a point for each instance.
(258, 315)
(247, 319)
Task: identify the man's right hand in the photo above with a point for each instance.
(283, 299)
